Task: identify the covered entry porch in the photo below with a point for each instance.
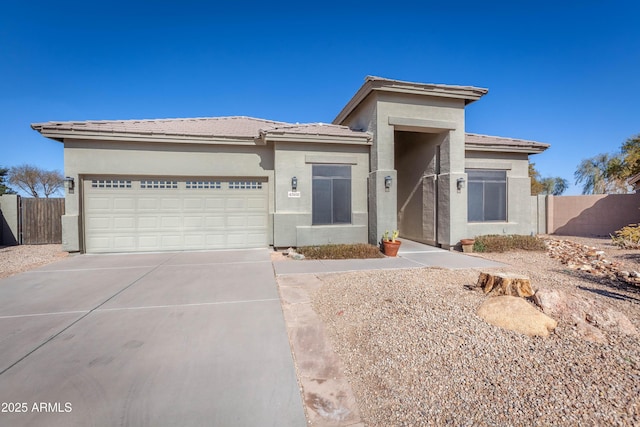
(421, 212)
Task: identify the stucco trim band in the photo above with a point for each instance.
(420, 125)
(329, 159)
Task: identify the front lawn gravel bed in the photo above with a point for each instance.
(17, 259)
(416, 354)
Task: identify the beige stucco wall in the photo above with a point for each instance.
(9, 213)
(83, 159)
(520, 204)
(416, 113)
(292, 219)
(591, 215)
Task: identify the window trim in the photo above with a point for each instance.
(506, 195)
(332, 179)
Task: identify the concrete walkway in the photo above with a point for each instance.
(411, 255)
(327, 394)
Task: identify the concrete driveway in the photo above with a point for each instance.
(173, 339)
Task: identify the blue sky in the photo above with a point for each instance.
(562, 72)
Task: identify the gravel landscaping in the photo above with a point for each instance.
(17, 259)
(416, 353)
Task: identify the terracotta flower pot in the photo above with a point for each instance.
(391, 248)
(467, 245)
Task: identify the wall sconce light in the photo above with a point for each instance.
(294, 184)
(69, 183)
(387, 183)
(460, 184)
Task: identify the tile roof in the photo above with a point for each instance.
(212, 127)
(634, 179)
(315, 129)
(372, 83)
(498, 142)
(233, 126)
(479, 91)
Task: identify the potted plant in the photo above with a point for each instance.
(467, 245)
(390, 246)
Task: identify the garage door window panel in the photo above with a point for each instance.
(331, 198)
(110, 183)
(245, 185)
(158, 184)
(203, 185)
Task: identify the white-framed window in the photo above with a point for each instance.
(110, 183)
(203, 185)
(158, 184)
(331, 194)
(245, 185)
(487, 195)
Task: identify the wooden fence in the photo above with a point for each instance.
(40, 221)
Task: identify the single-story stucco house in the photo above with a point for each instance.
(396, 157)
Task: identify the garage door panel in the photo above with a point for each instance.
(236, 221)
(172, 204)
(148, 204)
(193, 204)
(98, 204)
(193, 222)
(216, 240)
(236, 203)
(100, 223)
(236, 239)
(124, 223)
(100, 244)
(148, 242)
(214, 203)
(257, 203)
(171, 222)
(217, 221)
(165, 214)
(124, 243)
(171, 241)
(255, 238)
(194, 241)
(124, 204)
(148, 222)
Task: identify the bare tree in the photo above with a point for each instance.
(35, 181)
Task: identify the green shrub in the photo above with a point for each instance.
(627, 237)
(355, 251)
(504, 243)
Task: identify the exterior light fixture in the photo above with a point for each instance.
(460, 184)
(387, 183)
(69, 183)
(294, 184)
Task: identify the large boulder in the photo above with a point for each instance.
(516, 314)
(590, 317)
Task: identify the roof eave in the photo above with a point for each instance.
(319, 139)
(506, 148)
(62, 136)
(468, 93)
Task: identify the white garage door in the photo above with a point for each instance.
(166, 214)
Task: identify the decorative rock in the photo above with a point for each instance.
(517, 315)
(586, 258)
(589, 316)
